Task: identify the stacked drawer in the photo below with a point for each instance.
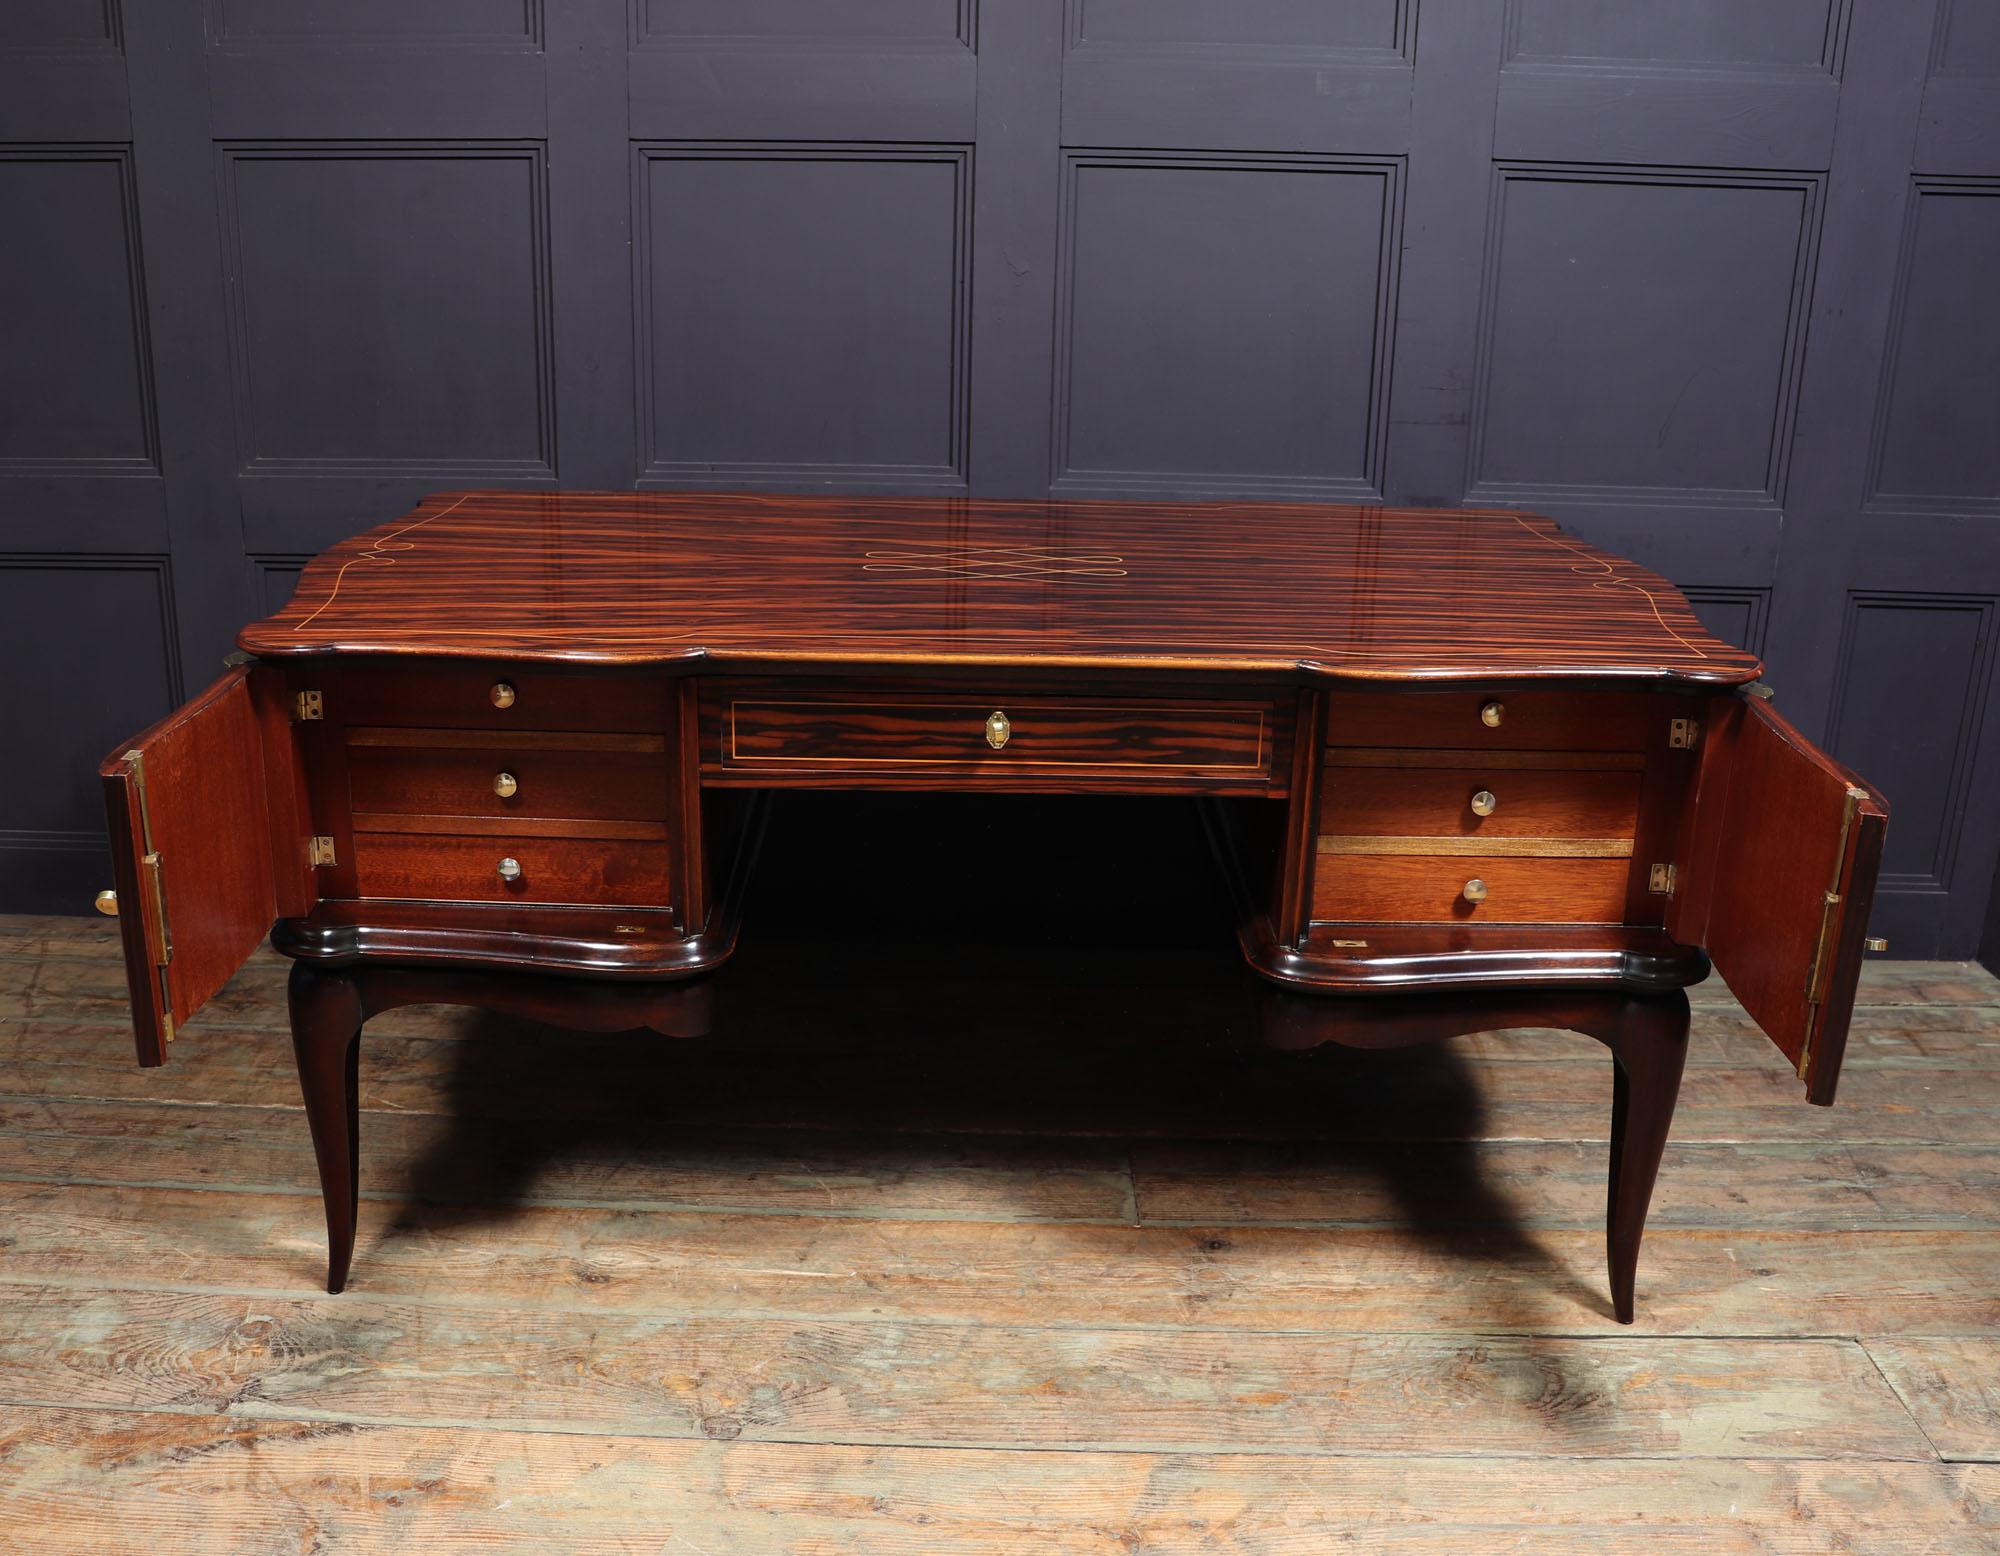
(1458, 808)
(518, 788)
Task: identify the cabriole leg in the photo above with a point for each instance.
(1648, 1045)
(327, 1013)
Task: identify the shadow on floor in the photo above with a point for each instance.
(915, 970)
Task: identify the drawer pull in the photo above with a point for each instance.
(998, 729)
(1492, 714)
(1483, 803)
(503, 695)
(506, 785)
(510, 870)
(1475, 890)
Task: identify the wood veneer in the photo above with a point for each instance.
(737, 581)
(1335, 682)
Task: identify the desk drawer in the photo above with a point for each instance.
(443, 867)
(1497, 721)
(493, 696)
(1480, 798)
(994, 738)
(1430, 889)
(430, 772)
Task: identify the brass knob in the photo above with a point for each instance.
(1872, 943)
(1483, 803)
(510, 869)
(107, 903)
(505, 785)
(998, 729)
(1492, 714)
(1475, 891)
(502, 695)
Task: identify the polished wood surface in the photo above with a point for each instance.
(777, 733)
(1779, 866)
(1448, 752)
(741, 581)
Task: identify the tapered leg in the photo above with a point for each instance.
(327, 1013)
(1649, 1048)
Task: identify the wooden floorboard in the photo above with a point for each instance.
(1088, 1274)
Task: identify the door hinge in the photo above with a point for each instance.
(1660, 880)
(319, 851)
(311, 706)
(153, 883)
(1683, 733)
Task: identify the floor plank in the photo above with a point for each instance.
(1454, 1279)
(1081, 1270)
(112, 1483)
(1951, 1387)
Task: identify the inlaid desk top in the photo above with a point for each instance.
(1279, 589)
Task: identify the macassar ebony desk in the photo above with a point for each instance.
(1460, 770)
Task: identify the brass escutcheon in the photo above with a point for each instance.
(998, 729)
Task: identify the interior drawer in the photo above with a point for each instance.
(592, 872)
(1430, 889)
(1518, 802)
(476, 773)
(492, 696)
(1526, 720)
(918, 737)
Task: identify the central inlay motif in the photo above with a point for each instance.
(1062, 567)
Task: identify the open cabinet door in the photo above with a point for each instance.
(1775, 878)
(191, 850)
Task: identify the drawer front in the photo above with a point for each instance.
(609, 778)
(1430, 889)
(1526, 720)
(592, 872)
(926, 739)
(498, 697)
(1473, 802)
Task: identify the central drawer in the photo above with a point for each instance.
(991, 738)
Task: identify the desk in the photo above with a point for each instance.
(1460, 770)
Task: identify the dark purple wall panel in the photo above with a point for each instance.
(1710, 282)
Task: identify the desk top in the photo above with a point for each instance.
(749, 580)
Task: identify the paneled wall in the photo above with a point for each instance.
(1710, 282)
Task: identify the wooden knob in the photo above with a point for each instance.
(998, 729)
(502, 695)
(510, 869)
(1475, 890)
(1483, 803)
(506, 785)
(1492, 714)
(107, 903)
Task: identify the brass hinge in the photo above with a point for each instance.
(1683, 733)
(311, 706)
(319, 851)
(1660, 880)
(153, 882)
(1822, 960)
